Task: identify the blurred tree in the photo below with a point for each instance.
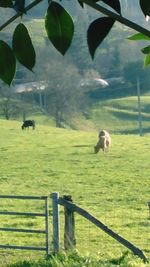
(10, 106)
(133, 70)
(64, 96)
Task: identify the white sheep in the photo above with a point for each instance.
(103, 142)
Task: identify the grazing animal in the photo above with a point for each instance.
(27, 124)
(103, 142)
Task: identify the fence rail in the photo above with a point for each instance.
(22, 230)
(23, 247)
(24, 197)
(22, 213)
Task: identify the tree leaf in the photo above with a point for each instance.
(7, 63)
(6, 3)
(59, 27)
(23, 47)
(81, 3)
(97, 32)
(19, 6)
(147, 60)
(115, 4)
(138, 36)
(145, 6)
(146, 50)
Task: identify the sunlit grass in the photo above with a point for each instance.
(121, 115)
(114, 186)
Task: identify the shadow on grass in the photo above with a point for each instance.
(82, 145)
(125, 116)
(135, 131)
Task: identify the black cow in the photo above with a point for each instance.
(27, 124)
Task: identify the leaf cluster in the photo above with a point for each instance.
(59, 27)
(145, 50)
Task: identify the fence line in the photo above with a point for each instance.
(45, 215)
(23, 247)
(69, 228)
(22, 213)
(22, 230)
(24, 197)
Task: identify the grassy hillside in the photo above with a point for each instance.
(113, 186)
(121, 115)
(116, 115)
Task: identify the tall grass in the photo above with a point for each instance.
(74, 259)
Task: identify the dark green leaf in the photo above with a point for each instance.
(6, 3)
(23, 47)
(59, 27)
(138, 37)
(19, 5)
(7, 63)
(147, 60)
(115, 4)
(81, 3)
(97, 32)
(145, 6)
(146, 50)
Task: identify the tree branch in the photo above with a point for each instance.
(117, 17)
(30, 6)
(95, 6)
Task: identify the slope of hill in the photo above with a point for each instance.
(121, 115)
(116, 115)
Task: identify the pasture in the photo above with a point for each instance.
(121, 114)
(114, 186)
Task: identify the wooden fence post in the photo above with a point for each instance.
(69, 228)
(47, 226)
(148, 206)
(55, 207)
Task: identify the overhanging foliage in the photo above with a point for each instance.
(59, 27)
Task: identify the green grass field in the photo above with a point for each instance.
(114, 187)
(121, 115)
(118, 116)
